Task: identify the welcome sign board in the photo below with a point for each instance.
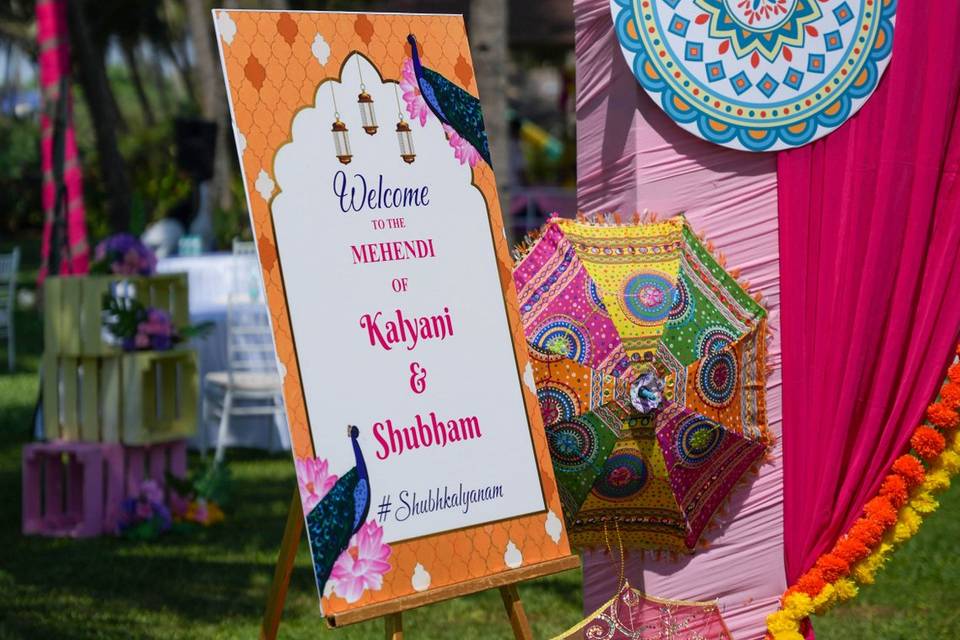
(419, 448)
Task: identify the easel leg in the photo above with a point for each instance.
(394, 624)
(518, 617)
(281, 576)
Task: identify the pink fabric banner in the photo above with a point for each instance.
(53, 42)
(870, 239)
(632, 157)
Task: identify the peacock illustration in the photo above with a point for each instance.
(339, 514)
(452, 105)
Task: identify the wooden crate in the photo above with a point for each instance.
(75, 489)
(134, 398)
(73, 309)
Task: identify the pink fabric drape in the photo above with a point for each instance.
(53, 42)
(632, 157)
(870, 254)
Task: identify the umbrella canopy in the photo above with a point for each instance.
(649, 362)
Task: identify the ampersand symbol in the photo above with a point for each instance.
(418, 377)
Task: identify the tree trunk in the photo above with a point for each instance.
(213, 97)
(99, 98)
(488, 42)
(130, 56)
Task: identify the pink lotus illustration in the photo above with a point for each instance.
(362, 565)
(462, 149)
(416, 105)
(315, 481)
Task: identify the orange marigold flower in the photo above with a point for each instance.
(850, 550)
(950, 395)
(895, 489)
(928, 442)
(880, 510)
(954, 373)
(940, 415)
(866, 531)
(832, 568)
(910, 469)
(811, 583)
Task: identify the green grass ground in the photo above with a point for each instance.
(212, 584)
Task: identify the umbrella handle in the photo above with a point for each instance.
(622, 579)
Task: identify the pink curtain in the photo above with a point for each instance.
(631, 157)
(53, 42)
(870, 274)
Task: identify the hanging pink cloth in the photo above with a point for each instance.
(631, 157)
(870, 273)
(53, 43)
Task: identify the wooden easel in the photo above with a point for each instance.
(392, 611)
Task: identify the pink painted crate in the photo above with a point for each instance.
(74, 489)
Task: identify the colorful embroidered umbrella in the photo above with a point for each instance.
(648, 359)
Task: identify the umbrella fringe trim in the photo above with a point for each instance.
(906, 496)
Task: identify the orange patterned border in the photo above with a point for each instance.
(272, 73)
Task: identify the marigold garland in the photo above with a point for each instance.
(889, 519)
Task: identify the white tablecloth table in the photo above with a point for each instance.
(212, 277)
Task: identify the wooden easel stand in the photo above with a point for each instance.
(391, 611)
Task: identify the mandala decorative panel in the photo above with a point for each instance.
(757, 75)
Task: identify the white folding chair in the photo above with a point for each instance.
(9, 265)
(251, 384)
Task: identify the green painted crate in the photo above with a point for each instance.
(73, 309)
(135, 398)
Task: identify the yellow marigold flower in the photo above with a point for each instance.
(949, 462)
(780, 623)
(846, 589)
(798, 606)
(825, 599)
(864, 572)
(907, 525)
(924, 502)
(937, 480)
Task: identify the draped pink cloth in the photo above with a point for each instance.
(632, 157)
(53, 43)
(870, 254)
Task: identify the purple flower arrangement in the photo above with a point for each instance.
(155, 332)
(123, 254)
(144, 516)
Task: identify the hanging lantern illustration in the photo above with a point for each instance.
(341, 136)
(368, 116)
(406, 141)
(341, 141)
(404, 134)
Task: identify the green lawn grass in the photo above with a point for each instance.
(212, 584)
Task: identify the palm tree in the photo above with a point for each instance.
(213, 97)
(488, 42)
(92, 72)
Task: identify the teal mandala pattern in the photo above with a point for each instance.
(697, 439)
(565, 338)
(646, 298)
(573, 445)
(757, 75)
(557, 403)
(624, 475)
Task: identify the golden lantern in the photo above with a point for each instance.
(404, 134)
(341, 141)
(341, 135)
(368, 117)
(405, 137)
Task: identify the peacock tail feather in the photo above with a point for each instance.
(331, 523)
(457, 108)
